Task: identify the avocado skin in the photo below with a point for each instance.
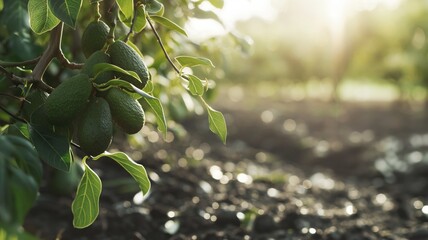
(95, 129)
(125, 110)
(68, 99)
(124, 56)
(94, 37)
(96, 58)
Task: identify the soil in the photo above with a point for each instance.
(290, 170)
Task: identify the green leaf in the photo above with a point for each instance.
(85, 206)
(137, 171)
(53, 147)
(66, 10)
(188, 61)
(217, 122)
(126, 7)
(169, 24)
(157, 109)
(154, 7)
(20, 174)
(195, 85)
(1, 5)
(202, 14)
(142, 93)
(105, 67)
(114, 83)
(140, 21)
(15, 16)
(217, 3)
(41, 17)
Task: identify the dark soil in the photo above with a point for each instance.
(311, 170)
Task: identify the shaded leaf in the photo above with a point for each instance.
(85, 206)
(137, 171)
(188, 61)
(15, 16)
(41, 17)
(53, 147)
(154, 7)
(168, 24)
(66, 10)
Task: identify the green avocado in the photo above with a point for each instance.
(126, 111)
(96, 58)
(95, 128)
(94, 37)
(124, 56)
(68, 99)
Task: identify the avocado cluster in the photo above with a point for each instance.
(75, 102)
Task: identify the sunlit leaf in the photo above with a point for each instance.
(168, 24)
(216, 122)
(140, 21)
(41, 17)
(217, 3)
(137, 171)
(105, 67)
(142, 93)
(195, 85)
(85, 205)
(188, 61)
(66, 10)
(157, 109)
(126, 7)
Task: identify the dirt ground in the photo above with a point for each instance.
(290, 170)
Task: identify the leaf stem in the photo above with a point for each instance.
(162, 45)
(131, 28)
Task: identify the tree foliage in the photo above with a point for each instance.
(40, 49)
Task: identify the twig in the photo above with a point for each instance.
(17, 64)
(15, 79)
(162, 46)
(15, 97)
(13, 115)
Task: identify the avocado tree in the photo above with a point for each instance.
(71, 71)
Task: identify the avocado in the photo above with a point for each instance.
(95, 128)
(94, 37)
(96, 58)
(68, 99)
(124, 56)
(126, 111)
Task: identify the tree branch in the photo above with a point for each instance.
(66, 63)
(131, 28)
(18, 64)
